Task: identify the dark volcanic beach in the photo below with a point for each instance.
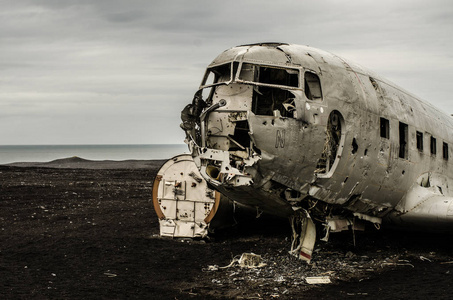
(73, 229)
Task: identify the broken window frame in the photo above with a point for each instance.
(284, 109)
(419, 138)
(445, 150)
(403, 140)
(307, 87)
(255, 82)
(433, 145)
(374, 84)
(384, 125)
(207, 90)
(233, 66)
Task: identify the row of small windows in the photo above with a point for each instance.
(403, 139)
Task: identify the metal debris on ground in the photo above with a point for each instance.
(212, 268)
(318, 280)
(246, 260)
(400, 263)
(251, 260)
(425, 259)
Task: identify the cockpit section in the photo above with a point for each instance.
(259, 132)
(230, 95)
(246, 88)
(246, 126)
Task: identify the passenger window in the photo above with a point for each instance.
(433, 145)
(385, 128)
(445, 150)
(374, 83)
(420, 141)
(403, 140)
(312, 86)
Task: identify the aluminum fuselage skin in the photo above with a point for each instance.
(279, 167)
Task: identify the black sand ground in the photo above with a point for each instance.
(77, 229)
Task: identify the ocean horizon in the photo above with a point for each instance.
(46, 153)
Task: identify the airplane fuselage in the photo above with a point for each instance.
(278, 127)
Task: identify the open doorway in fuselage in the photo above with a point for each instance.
(333, 146)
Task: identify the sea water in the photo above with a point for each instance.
(45, 153)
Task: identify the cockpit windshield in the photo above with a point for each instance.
(272, 77)
(219, 74)
(269, 75)
(251, 73)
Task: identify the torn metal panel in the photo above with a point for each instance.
(182, 200)
(251, 261)
(337, 224)
(304, 235)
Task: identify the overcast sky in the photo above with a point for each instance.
(120, 72)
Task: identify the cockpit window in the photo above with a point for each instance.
(219, 74)
(269, 75)
(312, 86)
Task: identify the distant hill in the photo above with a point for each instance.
(76, 162)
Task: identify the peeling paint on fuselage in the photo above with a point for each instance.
(258, 157)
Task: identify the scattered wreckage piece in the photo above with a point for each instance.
(251, 261)
(304, 235)
(187, 207)
(183, 202)
(246, 260)
(318, 280)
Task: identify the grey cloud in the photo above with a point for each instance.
(127, 16)
(139, 62)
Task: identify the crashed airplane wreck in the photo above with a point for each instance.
(301, 133)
